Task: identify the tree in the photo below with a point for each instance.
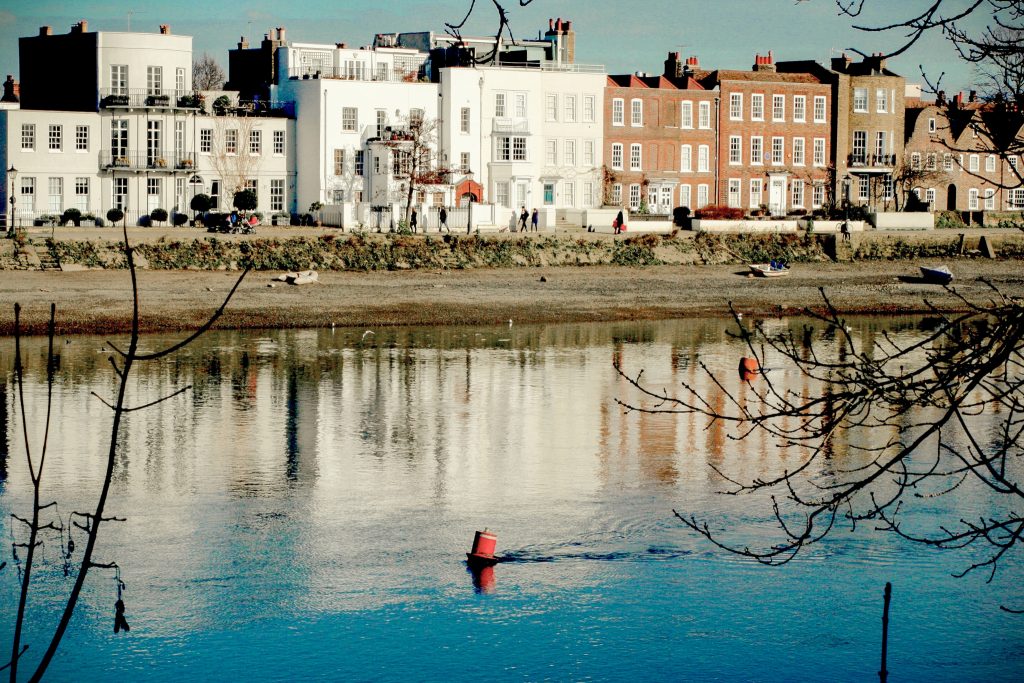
(158, 215)
(245, 200)
(200, 203)
(949, 408)
(412, 147)
(207, 74)
(114, 215)
(45, 523)
(230, 155)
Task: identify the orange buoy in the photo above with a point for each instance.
(749, 365)
(482, 554)
(484, 580)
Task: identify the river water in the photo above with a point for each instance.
(303, 513)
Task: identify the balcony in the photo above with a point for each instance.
(148, 99)
(507, 125)
(880, 161)
(132, 160)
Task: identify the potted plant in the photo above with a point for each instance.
(314, 212)
(221, 104)
(157, 100)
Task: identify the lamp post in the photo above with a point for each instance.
(12, 173)
(194, 181)
(469, 209)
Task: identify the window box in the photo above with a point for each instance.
(115, 101)
(158, 100)
(184, 163)
(121, 162)
(158, 163)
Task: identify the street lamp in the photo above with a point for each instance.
(12, 173)
(469, 210)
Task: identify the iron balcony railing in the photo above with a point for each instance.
(872, 160)
(506, 125)
(133, 160)
(272, 108)
(342, 73)
(135, 98)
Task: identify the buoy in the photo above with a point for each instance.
(483, 579)
(749, 365)
(482, 554)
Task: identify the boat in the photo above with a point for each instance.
(769, 269)
(939, 275)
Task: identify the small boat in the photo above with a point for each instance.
(940, 275)
(772, 269)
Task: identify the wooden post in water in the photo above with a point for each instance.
(883, 674)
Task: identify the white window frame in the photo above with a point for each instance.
(81, 138)
(636, 112)
(778, 150)
(617, 156)
(881, 101)
(589, 153)
(569, 109)
(990, 198)
(704, 115)
(757, 107)
(703, 155)
(636, 157)
(990, 163)
(797, 193)
(349, 119)
(860, 100)
(55, 137)
(974, 163)
(550, 107)
(277, 194)
(589, 109)
(736, 106)
(735, 150)
(799, 152)
(500, 105)
(757, 150)
(279, 143)
(734, 193)
(778, 108)
(464, 121)
(618, 111)
(819, 152)
(799, 108)
(820, 109)
(686, 159)
(28, 137)
(972, 199)
(686, 114)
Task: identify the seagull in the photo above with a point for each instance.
(510, 322)
(366, 334)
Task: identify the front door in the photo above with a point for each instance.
(951, 198)
(777, 196)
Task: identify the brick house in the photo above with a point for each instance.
(659, 140)
(775, 137)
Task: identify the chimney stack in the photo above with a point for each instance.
(973, 96)
(165, 29)
(80, 27)
(46, 30)
(280, 33)
(243, 44)
(673, 67)
(764, 63)
(940, 98)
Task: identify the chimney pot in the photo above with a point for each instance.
(551, 24)
(165, 29)
(567, 25)
(46, 30)
(973, 97)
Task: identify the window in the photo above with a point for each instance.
(464, 120)
(819, 109)
(932, 161)
(634, 197)
(56, 195)
(1017, 198)
(702, 159)
(254, 186)
(28, 136)
(154, 144)
(499, 105)
(511, 148)
(82, 138)
(154, 80)
(549, 194)
(215, 194)
(551, 152)
(588, 153)
(931, 125)
(179, 81)
(153, 192)
(382, 122)
(778, 151)
(354, 69)
(734, 197)
(82, 194)
(817, 195)
(120, 193)
(360, 163)
(929, 196)
(778, 107)
(704, 115)
(755, 192)
(568, 194)
(798, 193)
(464, 161)
(686, 158)
(756, 149)
(415, 118)
(635, 158)
(179, 139)
(819, 151)
(278, 142)
(798, 151)
(501, 195)
(550, 107)
(255, 142)
(339, 162)
(56, 137)
(617, 156)
(588, 194)
(179, 193)
(972, 199)
(520, 105)
(570, 111)
(686, 114)
(684, 196)
(570, 153)
(702, 196)
(636, 112)
(118, 79)
(799, 108)
(974, 162)
(205, 140)
(617, 194)
(589, 109)
(757, 107)
(947, 162)
(860, 145)
(277, 194)
(915, 161)
(990, 199)
(990, 163)
(383, 73)
(736, 106)
(863, 188)
(860, 100)
(119, 139)
(349, 119)
(881, 101)
(735, 149)
(618, 111)
(230, 140)
(880, 150)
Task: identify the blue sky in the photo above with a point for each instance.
(625, 36)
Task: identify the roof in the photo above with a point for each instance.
(720, 75)
(653, 82)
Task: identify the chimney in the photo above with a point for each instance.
(280, 33)
(243, 44)
(973, 96)
(958, 100)
(551, 24)
(341, 46)
(841, 64)
(165, 29)
(80, 27)
(567, 26)
(10, 90)
(940, 98)
(673, 67)
(692, 63)
(764, 63)
(558, 24)
(46, 30)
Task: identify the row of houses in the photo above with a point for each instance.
(108, 119)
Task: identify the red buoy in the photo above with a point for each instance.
(482, 554)
(749, 365)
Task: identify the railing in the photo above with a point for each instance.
(143, 97)
(511, 126)
(872, 160)
(341, 73)
(133, 160)
(276, 108)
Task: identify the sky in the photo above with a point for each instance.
(623, 35)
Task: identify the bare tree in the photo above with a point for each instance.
(207, 74)
(44, 520)
(948, 409)
(412, 148)
(504, 28)
(230, 155)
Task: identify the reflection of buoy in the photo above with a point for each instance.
(482, 554)
(749, 365)
(483, 579)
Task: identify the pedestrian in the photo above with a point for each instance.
(443, 217)
(618, 222)
(845, 229)
(523, 217)
(512, 222)
(534, 219)
(412, 220)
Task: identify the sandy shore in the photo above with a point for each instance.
(99, 301)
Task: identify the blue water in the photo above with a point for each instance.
(304, 512)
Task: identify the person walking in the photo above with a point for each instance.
(618, 222)
(413, 218)
(523, 218)
(512, 221)
(534, 219)
(443, 219)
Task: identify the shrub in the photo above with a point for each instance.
(179, 219)
(949, 219)
(719, 212)
(680, 215)
(201, 203)
(245, 200)
(114, 215)
(73, 215)
(158, 215)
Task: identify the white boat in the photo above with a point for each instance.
(940, 275)
(768, 270)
